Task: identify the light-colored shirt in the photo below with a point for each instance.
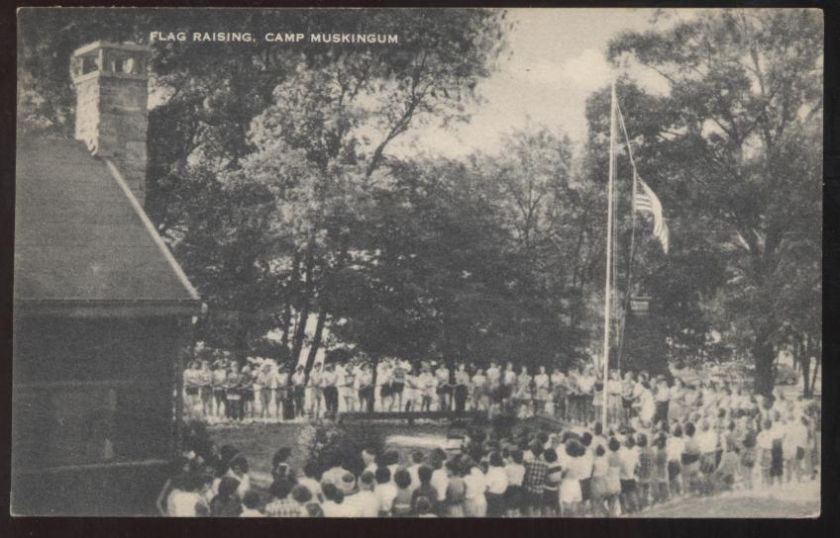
(182, 503)
(439, 481)
(675, 446)
(476, 484)
(365, 503)
(629, 458)
(515, 473)
(497, 480)
(385, 494)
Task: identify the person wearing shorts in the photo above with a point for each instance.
(444, 389)
(462, 381)
(265, 382)
(508, 380)
(191, 387)
(428, 386)
(316, 392)
(233, 394)
(397, 386)
(330, 390)
(299, 391)
(219, 382)
(364, 384)
(205, 389)
(283, 394)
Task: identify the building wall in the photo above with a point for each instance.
(94, 400)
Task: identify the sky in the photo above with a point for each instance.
(558, 58)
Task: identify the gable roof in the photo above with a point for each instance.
(83, 242)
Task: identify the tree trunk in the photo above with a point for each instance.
(300, 330)
(316, 340)
(807, 388)
(287, 310)
(764, 356)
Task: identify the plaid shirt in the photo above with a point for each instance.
(535, 472)
(283, 508)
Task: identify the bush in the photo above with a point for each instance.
(324, 443)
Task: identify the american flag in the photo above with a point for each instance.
(646, 201)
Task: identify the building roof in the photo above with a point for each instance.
(83, 244)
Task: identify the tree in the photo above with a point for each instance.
(320, 141)
(746, 97)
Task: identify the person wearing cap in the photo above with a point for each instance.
(299, 390)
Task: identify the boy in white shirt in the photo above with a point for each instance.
(365, 502)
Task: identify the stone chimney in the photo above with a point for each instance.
(112, 106)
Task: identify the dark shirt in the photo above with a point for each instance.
(424, 490)
(535, 472)
(229, 507)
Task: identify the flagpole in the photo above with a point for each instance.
(626, 302)
(607, 290)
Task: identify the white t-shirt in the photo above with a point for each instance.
(497, 480)
(476, 484)
(629, 458)
(385, 494)
(344, 509)
(365, 503)
(707, 441)
(182, 503)
(440, 481)
(585, 383)
(515, 473)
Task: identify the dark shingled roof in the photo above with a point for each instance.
(78, 238)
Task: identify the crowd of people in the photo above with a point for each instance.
(262, 390)
(664, 442)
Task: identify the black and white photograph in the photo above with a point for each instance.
(418, 263)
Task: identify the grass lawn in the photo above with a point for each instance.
(790, 501)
